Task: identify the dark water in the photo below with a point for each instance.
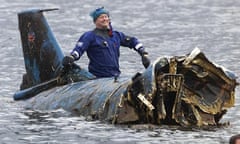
(165, 27)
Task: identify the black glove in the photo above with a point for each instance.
(145, 60)
(67, 61)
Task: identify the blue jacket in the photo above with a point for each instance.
(103, 50)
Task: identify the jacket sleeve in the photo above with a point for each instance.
(81, 45)
(131, 42)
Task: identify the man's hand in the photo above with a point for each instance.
(145, 60)
(67, 61)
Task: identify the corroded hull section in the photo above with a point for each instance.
(171, 91)
(187, 90)
(101, 99)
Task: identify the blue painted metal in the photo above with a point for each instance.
(100, 98)
(42, 54)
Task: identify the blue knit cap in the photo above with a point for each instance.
(96, 13)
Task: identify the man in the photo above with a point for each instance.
(235, 139)
(102, 46)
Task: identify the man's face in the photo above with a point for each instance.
(102, 22)
(237, 141)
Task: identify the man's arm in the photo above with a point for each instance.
(80, 47)
(133, 43)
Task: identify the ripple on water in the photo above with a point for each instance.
(164, 27)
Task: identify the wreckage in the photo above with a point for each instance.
(184, 90)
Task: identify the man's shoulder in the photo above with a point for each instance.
(87, 34)
(90, 32)
(118, 33)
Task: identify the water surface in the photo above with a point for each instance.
(165, 28)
